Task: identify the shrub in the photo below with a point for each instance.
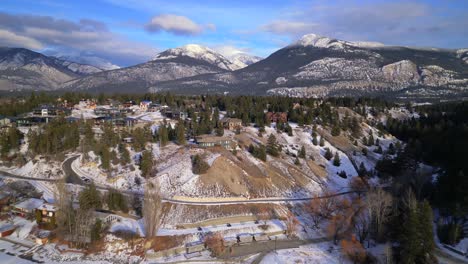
(199, 166)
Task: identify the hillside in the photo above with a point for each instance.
(317, 66)
(23, 69)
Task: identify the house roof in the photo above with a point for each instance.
(211, 139)
(29, 204)
(48, 207)
(7, 227)
(229, 119)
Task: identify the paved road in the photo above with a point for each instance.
(73, 178)
(5, 174)
(445, 258)
(70, 175)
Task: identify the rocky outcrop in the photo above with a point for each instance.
(404, 71)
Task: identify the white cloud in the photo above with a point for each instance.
(93, 37)
(10, 39)
(178, 25)
(289, 27)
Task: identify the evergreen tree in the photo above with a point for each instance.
(163, 135)
(220, 130)
(314, 141)
(124, 156)
(409, 238)
(262, 153)
(426, 234)
(322, 142)
(364, 151)
(362, 172)
(96, 230)
(146, 163)
(180, 130)
(297, 162)
(328, 154)
(302, 153)
(199, 166)
(272, 146)
(105, 157)
(335, 131)
(336, 160)
(90, 198)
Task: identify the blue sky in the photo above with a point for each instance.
(126, 32)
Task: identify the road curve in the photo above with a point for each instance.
(73, 178)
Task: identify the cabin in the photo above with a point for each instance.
(47, 212)
(144, 105)
(213, 141)
(276, 117)
(27, 207)
(231, 123)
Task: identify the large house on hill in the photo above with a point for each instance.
(213, 141)
(231, 123)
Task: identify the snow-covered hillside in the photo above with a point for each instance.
(242, 60)
(200, 53)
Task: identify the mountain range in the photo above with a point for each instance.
(313, 66)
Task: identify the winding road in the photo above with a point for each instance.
(71, 177)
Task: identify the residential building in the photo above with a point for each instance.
(47, 212)
(231, 123)
(27, 207)
(144, 105)
(277, 117)
(208, 141)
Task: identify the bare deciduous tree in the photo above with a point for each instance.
(379, 206)
(291, 224)
(81, 231)
(264, 214)
(65, 214)
(215, 242)
(315, 209)
(152, 208)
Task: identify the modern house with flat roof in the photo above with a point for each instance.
(213, 141)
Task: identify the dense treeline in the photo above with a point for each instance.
(440, 138)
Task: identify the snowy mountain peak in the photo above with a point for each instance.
(243, 60)
(198, 52)
(315, 41)
(318, 41)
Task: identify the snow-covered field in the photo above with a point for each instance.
(312, 254)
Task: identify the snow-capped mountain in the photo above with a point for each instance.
(318, 41)
(25, 69)
(322, 66)
(197, 52)
(242, 60)
(172, 64)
